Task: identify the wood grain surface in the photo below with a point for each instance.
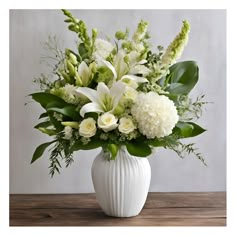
(161, 209)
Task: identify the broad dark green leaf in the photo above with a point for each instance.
(187, 129)
(138, 149)
(183, 77)
(43, 115)
(57, 124)
(45, 98)
(94, 143)
(40, 150)
(113, 149)
(49, 132)
(69, 111)
(83, 51)
(43, 124)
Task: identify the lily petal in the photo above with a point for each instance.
(135, 78)
(90, 107)
(91, 94)
(102, 89)
(140, 69)
(110, 66)
(117, 91)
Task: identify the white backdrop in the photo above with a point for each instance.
(207, 46)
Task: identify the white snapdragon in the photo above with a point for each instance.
(126, 125)
(67, 132)
(88, 128)
(107, 122)
(102, 48)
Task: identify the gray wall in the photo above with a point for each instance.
(207, 45)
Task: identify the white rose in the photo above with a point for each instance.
(130, 93)
(87, 128)
(107, 122)
(126, 125)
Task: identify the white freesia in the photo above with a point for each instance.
(67, 132)
(103, 99)
(126, 125)
(155, 114)
(87, 128)
(83, 74)
(107, 122)
(102, 48)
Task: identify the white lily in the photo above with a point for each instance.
(103, 99)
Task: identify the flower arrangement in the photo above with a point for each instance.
(108, 95)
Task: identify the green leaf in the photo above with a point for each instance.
(57, 124)
(45, 98)
(187, 129)
(43, 115)
(94, 143)
(113, 149)
(138, 149)
(49, 132)
(83, 51)
(40, 150)
(69, 111)
(43, 124)
(162, 142)
(183, 77)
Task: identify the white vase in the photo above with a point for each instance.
(121, 185)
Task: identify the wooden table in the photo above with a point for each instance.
(161, 209)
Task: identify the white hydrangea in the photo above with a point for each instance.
(155, 114)
(103, 48)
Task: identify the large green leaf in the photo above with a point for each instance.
(40, 150)
(187, 129)
(43, 115)
(138, 149)
(83, 52)
(45, 98)
(57, 124)
(183, 77)
(43, 127)
(69, 111)
(94, 143)
(44, 124)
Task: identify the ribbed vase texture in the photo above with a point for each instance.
(121, 185)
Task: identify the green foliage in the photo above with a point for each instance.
(79, 27)
(93, 144)
(68, 110)
(139, 149)
(45, 98)
(187, 129)
(183, 77)
(184, 150)
(40, 150)
(113, 149)
(189, 109)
